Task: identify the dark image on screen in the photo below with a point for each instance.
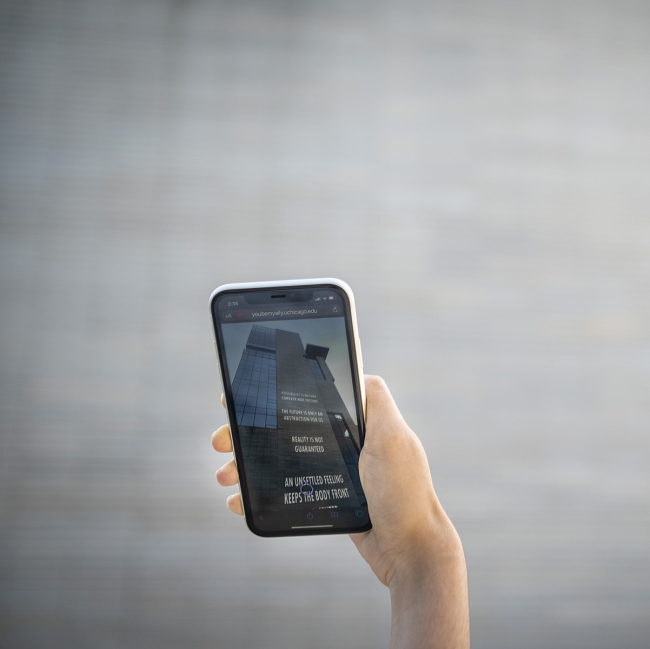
(295, 413)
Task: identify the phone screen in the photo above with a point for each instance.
(294, 407)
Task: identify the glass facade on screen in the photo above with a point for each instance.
(254, 388)
(315, 368)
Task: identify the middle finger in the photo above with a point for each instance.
(228, 475)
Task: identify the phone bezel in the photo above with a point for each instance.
(356, 362)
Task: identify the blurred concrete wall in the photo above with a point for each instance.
(477, 171)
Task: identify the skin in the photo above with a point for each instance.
(412, 547)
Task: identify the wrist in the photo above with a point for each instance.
(429, 598)
(432, 546)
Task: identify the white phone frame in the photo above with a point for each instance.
(294, 283)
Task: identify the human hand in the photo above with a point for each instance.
(412, 547)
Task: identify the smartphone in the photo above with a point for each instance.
(291, 369)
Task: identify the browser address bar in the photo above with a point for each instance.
(243, 315)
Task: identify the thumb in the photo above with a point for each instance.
(382, 411)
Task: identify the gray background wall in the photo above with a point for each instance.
(477, 171)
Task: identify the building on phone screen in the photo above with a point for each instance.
(297, 436)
